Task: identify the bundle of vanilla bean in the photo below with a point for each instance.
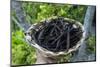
(57, 34)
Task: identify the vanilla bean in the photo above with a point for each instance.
(57, 27)
(57, 38)
(68, 40)
(57, 44)
(40, 36)
(80, 32)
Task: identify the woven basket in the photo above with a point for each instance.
(47, 52)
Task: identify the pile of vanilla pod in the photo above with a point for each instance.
(57, 34)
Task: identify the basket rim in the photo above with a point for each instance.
(51, 53)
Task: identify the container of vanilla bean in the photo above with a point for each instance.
(56, 35)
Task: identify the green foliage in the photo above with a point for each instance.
(22, 53)
(65, 58)
(91, 42)
(14, 26)
(39, 11)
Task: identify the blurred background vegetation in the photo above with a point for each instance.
(22, 52)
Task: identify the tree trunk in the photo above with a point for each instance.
(22, 23)
(82, 54)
